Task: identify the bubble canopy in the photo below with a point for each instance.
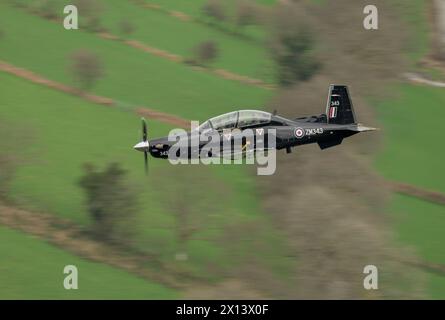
(236, 119)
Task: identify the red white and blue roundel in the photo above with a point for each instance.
(299, 133)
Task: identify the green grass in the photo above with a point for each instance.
(413, 154)
(131, 76)
(194, 8)
(413, 142)
(437, 286)
(412, 151)
(415, 15)
(412, 125)
(420, 225)
(66, 132)
(191, 8)
(165, 32)
(33, 269)
(159, 29)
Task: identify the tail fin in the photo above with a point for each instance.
(339, 108)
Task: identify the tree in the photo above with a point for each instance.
(48, 9)
(345, 220)
(292, 46)
(245, 14)
(7, 170)
(294, 56)
(86, 68)
(205, 52)
(111, 202)
(214, 10)
(19, 3)
(7, 163)
(89, 13)
(12, 154)
(194, 198)
(126, 27)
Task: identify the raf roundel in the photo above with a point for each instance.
(299, 133)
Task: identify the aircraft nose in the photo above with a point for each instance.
(142, 146)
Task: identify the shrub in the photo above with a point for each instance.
(126, 27)
(7, 170)
(48, 9)
(214, 10)
(89, 13)
(292, 47)
(294, 57)
(86, 68)
(245, 14)
(205, 52)
(111, 203)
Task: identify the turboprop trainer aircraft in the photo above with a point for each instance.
(327, 130)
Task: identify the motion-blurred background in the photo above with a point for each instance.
(73, 192)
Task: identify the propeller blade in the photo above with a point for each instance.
(144, 130)
(146, 161)
(144, 139)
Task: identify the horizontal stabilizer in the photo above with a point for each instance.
(361, 128)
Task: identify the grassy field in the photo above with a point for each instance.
(98, 135)
(67, 132)
(229, 7)
(165, 32)
(142, 79)
(195, 8)
(416, 16)
(412, 124)
(62, 129)
(420, 225)
(159, 29)
(33, 269)
(412, 152)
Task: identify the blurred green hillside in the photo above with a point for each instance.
(66, 131)
(411, 151)
(33, 269)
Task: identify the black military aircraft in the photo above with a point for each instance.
(327, 130)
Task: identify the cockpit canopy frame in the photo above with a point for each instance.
(236, 119)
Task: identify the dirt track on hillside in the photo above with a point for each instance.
(74, 239)
(71, 237)
(416, 192)
(29, 75)
(142, 111)
(427, 195)
(222, 73)
(418, 79)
